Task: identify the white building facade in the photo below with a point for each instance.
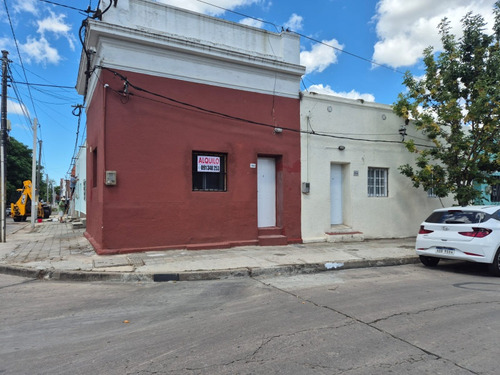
(352, 188)
(80, 194)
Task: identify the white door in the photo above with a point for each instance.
(266, 192)
(336, 194)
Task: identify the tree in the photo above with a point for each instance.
(18, 165)
(457, 107)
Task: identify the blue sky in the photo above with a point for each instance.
(351, 48)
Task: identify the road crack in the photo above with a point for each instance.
(368, 324)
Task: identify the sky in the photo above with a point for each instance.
(357, 49)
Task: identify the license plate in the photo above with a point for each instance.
(445, 250)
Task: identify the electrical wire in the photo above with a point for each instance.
(239, 14)
(178, 103)
(23, 107)
(77, 111)
(44, 85)
(307, 37)
(49, 85)
(65, 6)
(23, 69)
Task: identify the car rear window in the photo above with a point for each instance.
(458, 217)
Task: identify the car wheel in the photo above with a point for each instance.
(495, 266)
(429, 261)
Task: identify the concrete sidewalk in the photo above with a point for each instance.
(52, 250)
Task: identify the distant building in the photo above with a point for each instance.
(80, 193)
(491, 193)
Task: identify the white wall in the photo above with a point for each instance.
(80, 193)
(160, 40)
(363, 129)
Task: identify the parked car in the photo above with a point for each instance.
(469, 233)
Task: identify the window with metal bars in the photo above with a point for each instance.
(209, 171)
(495, 193)
(377, 182)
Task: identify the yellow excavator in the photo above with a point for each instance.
(22, 208)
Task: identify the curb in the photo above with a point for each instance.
(291, 269)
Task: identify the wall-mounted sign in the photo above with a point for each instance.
(208, 163)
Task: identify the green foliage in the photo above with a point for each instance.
(457, 107)
(18, 169)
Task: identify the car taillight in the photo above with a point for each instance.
(476, 232)
(424, 231)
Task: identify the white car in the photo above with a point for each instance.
(469, 233)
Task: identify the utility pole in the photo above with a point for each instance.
(39, 171)
(3, 144)
(34, 211)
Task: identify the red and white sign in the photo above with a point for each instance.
(208, 163)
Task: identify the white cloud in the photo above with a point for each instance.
(294, 23)
(406, 27)
(327, 90)
(6, 44)
(56, 25)
(252, 22)
(14, 108)
(40, 51)
(321, 55)
(25, 6)
(204, 8)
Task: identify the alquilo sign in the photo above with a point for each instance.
(208, 163)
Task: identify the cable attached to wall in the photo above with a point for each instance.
(127, 93)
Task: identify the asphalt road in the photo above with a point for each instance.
(400, 320)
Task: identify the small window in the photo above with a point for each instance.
(495, 193)
(377, 182)
(209, 171)
(431, 193)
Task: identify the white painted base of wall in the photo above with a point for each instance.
(352, 237)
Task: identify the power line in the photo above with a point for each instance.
(77, 111)
(23, 107)
(20, 60)
(43, 85)
(239, 14)
(306, 37)
(66, 6)
(126, 93)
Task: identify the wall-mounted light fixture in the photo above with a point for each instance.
(341, 148)
(278, 130)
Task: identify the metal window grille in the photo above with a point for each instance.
(210, 179)
(377, 182)
(431, 193)
(495, 193)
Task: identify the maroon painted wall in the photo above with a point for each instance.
(149, 140)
